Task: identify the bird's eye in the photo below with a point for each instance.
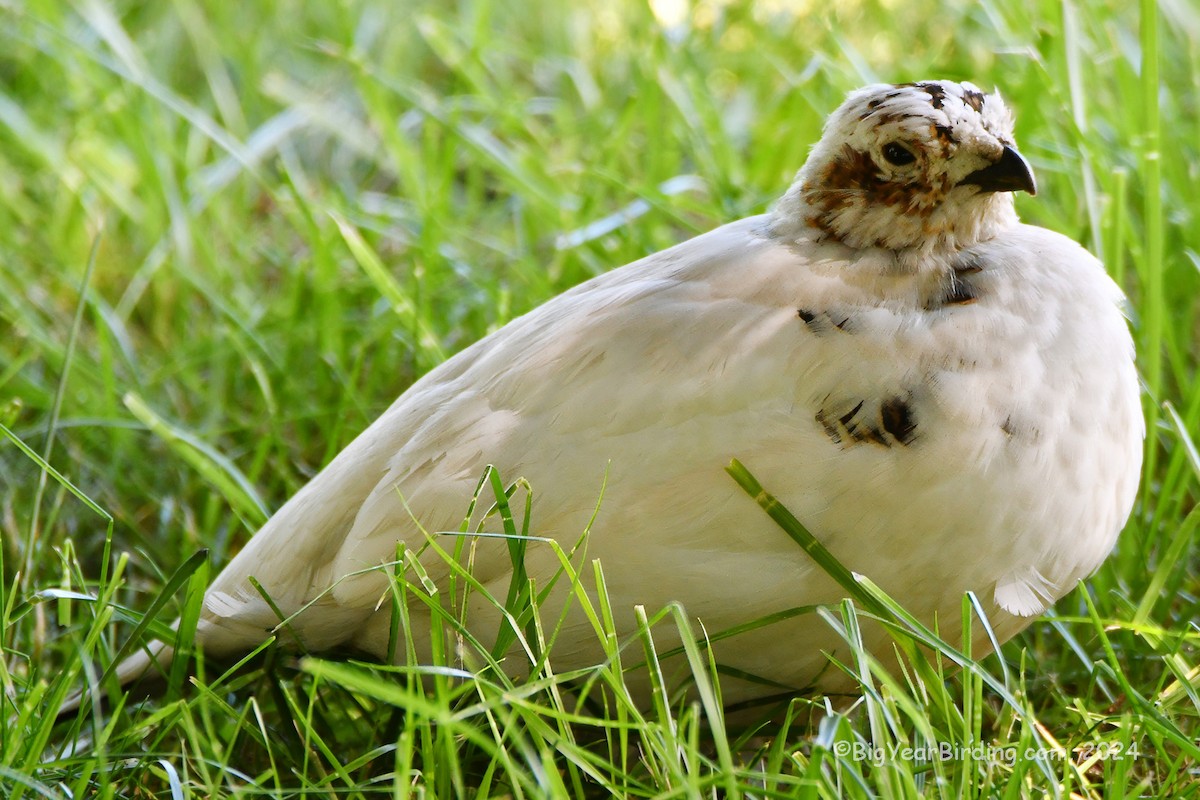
(898, 155)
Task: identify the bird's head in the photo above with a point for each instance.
(914, 165)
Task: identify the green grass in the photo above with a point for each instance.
(231, 234)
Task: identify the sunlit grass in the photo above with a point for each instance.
(231, 234)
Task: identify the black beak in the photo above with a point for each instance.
(1011, 173)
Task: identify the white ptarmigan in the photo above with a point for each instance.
(945, 397)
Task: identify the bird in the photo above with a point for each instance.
(947, 398)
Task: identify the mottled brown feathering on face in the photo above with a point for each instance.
(855, 179)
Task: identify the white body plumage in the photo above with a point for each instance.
(955, 409)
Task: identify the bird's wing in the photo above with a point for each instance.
(655, 374)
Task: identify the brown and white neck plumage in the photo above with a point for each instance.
(925, 167)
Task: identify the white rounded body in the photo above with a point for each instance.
(994, 446)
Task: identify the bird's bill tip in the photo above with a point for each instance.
(1011, 173)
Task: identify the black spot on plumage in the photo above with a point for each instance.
(846, 418)
(960, 293)
(973, 99)
(958, 290)
(822, 322)
(896, 415)
(968, 264)
(937, 94)
(885, 423)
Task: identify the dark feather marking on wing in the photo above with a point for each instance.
(894, 423)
